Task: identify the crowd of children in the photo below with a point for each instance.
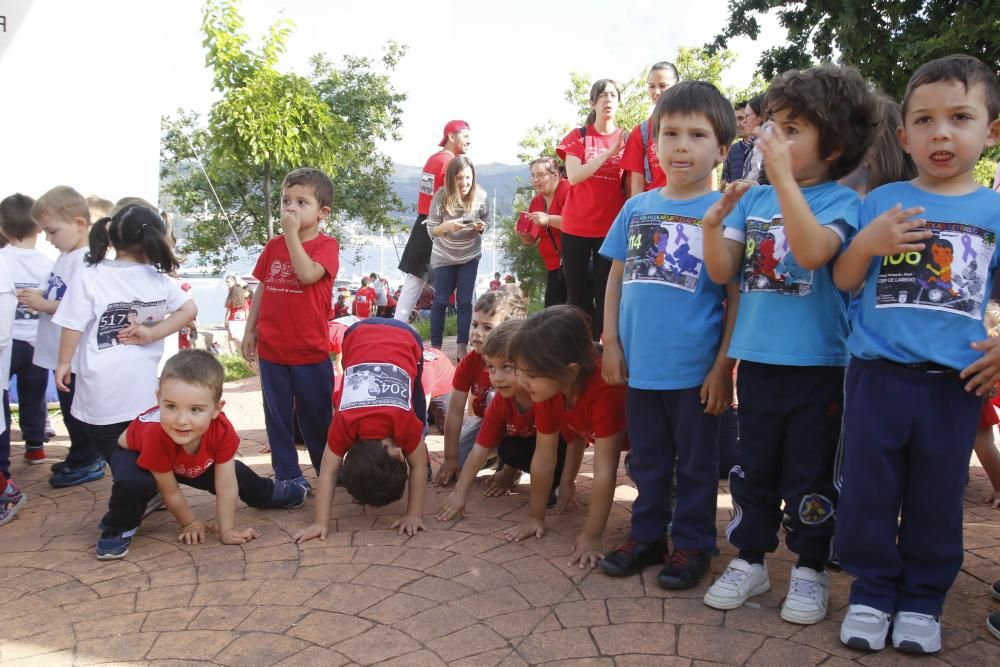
(854, 331)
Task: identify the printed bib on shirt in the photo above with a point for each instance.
(664, 249)
(55, 289)
(949, 275)
(376, 385)
(123, 314)
(23, 312)
(427, 184)
(769, 265)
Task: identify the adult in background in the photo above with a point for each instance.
(416, 259)
(545, 213)
(381, 288)
(459, 215)
(753, 164)
(732, 166)
(593, 156)
(639, 158)
(237, 309)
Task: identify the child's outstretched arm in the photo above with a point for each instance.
(452, 432)
(192, 528)
(588, 549)
(324, 499)
(413, 522)
(69, 339)
(543, 468)
(717, 389)
(614, 370)
(454, 505)
(140, 334)
(723, 257)
(226, 492)
(571, 468)
(895, 232)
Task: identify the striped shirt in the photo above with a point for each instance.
(453, 248)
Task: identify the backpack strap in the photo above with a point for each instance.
(645, 129)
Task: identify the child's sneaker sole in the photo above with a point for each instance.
(727, 604)
(111, 556)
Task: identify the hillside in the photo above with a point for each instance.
(495, 178)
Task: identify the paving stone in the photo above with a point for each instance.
(658, 638)
(717, 644)
(383, 576)
(326, 628)
(109, 626)
(271, 619)
(220, 618)
(686, 610)
(346, 598)
(435, 588)
(435, 622)
(468, 642)
(558, 645)
(397, 607)
(781, 653)
(422, 658)
(378, 644)
(49, 641)
(168, 620)
(107, 649)
(259, 648)
(190, 644)
(652, 661)
(582, 613)
(519, 623)
(635, 610)
(314, 656)
(492, 603)
(225, 593)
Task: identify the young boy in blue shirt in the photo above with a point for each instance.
(666, 331)
(926, 255)
(791, 330)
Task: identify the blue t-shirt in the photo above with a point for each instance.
(929, 305)
(789, 315)
(670, 320)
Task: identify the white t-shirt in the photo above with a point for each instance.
(64, 273)
(29, 269)
(8, 303)
(116, 382)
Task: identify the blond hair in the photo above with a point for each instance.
(61, 202)
(992, 318)
(99, 207)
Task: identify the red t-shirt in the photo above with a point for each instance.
(471, 376)
(235, 314)
(431, 179)
(504, 419)
(158, 453)
(375, 399)
(599, 412)
(548, 246)
(632, 158)
(364, 301)
(495, 284)
(291, 325)
(438, 373)
(340, 311)
(592, 204)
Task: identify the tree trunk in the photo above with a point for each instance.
(267, 199)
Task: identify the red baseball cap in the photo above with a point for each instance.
(453, 126)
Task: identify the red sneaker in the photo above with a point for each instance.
(35, 456)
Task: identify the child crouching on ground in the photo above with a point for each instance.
(378, 426)
(186, 439)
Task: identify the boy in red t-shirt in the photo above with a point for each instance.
(378, 427)
(364, 300)
(186, 439)
(286, 332)
(471, 376)
(508, 430)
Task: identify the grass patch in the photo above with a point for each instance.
(235, 366)
(423, 327)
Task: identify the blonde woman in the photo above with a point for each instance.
(459, 215)
(236, 314)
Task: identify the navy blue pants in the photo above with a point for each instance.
(303, 393)
(517, 452)
(32, 381)
(669, 432)
(133, 486)
(446, 280)
(81, 451)
(104, 437)
(790, 422)
(908, 435)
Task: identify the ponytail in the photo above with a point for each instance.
(99, 241)
(591, 117)
(137, 231)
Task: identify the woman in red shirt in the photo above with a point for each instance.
(545, 213)
(593, 156)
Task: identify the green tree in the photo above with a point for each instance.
(268, 123)
(885, 39)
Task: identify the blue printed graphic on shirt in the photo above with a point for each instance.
(670, 320)
(22, 312)
(769, 265)
(55, 290)
(929, 305)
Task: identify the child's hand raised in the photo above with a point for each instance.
(238, 536)
(773, 144)
(193, 533)
(409, 525)
(310, 533)
(718, 211)
(290, 224)
(894, 232)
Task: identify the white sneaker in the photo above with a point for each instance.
(864, 628)
(916, 633)
(740, 582)
(807, 596)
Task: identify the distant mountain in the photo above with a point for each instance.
(495, 178)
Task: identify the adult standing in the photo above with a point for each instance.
(593, 156)
(753, 164)
(459, 215)
(381, 288)
(732, 167)
(639, 158)
(416, 259)
(545, 213)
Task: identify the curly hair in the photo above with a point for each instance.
(508, 302)
(838, 102)
(371, 476)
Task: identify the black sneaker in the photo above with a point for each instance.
(993, 624)
(631, 557)
(684, 569)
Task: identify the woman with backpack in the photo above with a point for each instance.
(593, 157)
(639, 159)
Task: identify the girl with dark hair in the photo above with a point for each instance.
(114, 321)
(639, 159)
(559, 366)
(593, 156)
(237, 308)
(545, 214)
(459, 215)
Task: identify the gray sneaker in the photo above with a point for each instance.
(807, 596)
(916, 633)
(864, 628)
(740, 582)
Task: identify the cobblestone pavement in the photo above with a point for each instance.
(455, 594)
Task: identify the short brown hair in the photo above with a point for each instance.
(838, 102)
(507, 301)
(550, 340)
(371, 476)
(15, 217)
(697, 97)
(314, 178)
(62, 202)
(99, 206)
(964, 69)
(497, 344)
(195, 367)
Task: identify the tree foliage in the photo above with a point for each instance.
(267, 123)
(885, 39)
